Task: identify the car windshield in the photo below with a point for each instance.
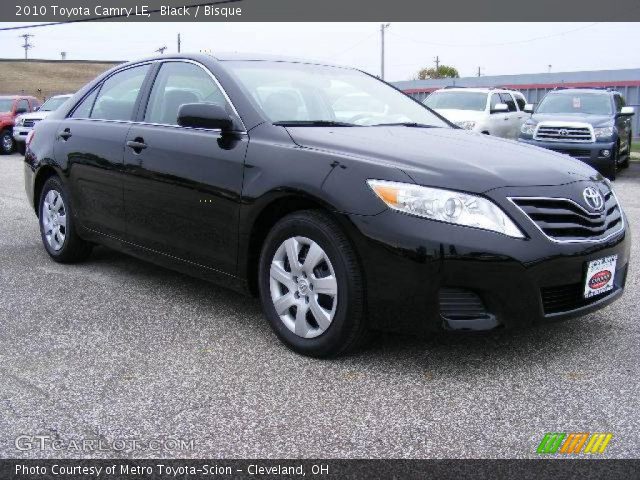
(317, 95)
(578, 103)
(53, 103)
(457, 101)
(6, 104)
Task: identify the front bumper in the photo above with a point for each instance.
(20, 133)
(409, 263)
(589, 153)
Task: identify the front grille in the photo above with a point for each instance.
(567, 297)
(564, 220)
(29, 123)
(574, 152)
(564, 133)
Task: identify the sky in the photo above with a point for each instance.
(497, 48)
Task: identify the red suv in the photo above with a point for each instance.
(10, 107)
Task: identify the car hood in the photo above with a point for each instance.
(35, 115)
(460, 115)
(450, 158)
(594, 120)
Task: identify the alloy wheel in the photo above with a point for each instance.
(54, 219)
(7, 142)
(303, 286)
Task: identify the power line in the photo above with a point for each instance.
(499, 44)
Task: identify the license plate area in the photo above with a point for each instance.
(600, 276)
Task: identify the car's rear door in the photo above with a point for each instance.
(90, 142)
(182, 188)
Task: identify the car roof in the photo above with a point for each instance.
(573, 91)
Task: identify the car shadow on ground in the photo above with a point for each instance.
(449, 350)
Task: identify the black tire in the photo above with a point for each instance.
(625, 164)
(611, 170)
(7, 143)
(21, 147)
(73, 249)
(348, 329)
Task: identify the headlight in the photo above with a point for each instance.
(445, 206)
(604, 132)
(467, 125)
(528, 128)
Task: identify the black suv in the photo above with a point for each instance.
(592, 125)
(342, 216)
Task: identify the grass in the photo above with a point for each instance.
(635, 146)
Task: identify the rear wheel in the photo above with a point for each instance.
(7, 143)
(311, 285)
(57, 226)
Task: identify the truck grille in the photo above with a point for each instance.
(564, 133)
(565, 221)
(29, 123)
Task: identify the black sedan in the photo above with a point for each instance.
(342, 203)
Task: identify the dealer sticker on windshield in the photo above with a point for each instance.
(600, 275)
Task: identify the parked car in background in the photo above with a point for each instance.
(246, 171)
(592, 125)
(492, 111)
(24, 123)
(10, 107)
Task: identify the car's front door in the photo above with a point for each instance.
(499, 121)
(183, 185)
(512, 115)
(90, 142)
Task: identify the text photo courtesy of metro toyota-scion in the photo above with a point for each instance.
(329, 243)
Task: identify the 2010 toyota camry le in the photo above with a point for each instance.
(341, 202)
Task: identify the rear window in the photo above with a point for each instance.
(457, 101)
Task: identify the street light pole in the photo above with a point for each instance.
(383, 27)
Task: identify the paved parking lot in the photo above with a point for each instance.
(118, 349)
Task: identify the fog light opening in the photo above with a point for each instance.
(605, 153)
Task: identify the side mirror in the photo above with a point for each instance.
(528, 108)
(627, 111)
(500, 108)
(204, 115)
(20, 111)
(35, 109)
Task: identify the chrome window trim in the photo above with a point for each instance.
(575, 240)
(134, 122)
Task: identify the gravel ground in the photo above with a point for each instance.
(117, 349)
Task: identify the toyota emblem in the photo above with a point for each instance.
(564, 132)
(593, 198)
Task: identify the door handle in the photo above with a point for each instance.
(137, 144)
(65, 134)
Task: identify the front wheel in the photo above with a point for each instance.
(7, 143)
(625, 164)
(57, 226)
(311, 285)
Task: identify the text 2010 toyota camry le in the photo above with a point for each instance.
(343, 203)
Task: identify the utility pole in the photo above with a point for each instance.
(383, 27)
(179, 43)
(479, 72)
(161, 50)
(26, 45)
(550, 68)
(63, 55)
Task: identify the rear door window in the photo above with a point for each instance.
(118, 95)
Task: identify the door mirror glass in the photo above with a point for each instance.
(500, 108)
(627, 111)
(528, 108)
(204, 115)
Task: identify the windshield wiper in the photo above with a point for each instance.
(313, 123)
(404, 124)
